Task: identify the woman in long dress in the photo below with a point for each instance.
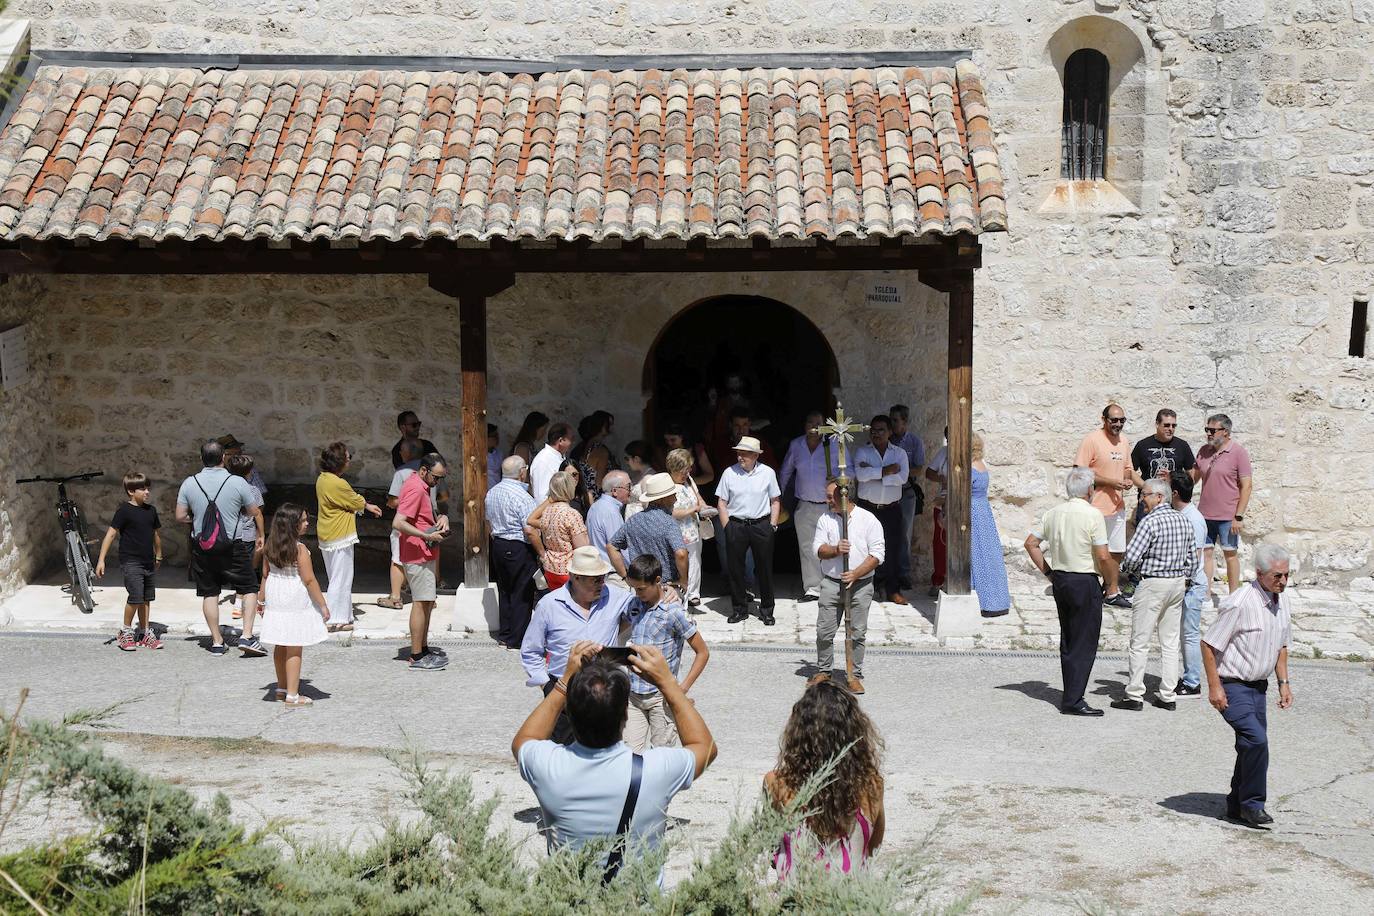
(296, 609)
(988, 568)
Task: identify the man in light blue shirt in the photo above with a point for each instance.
(586, 608)
(805, 463)
(881, 470)
(582, 789)
(509, 505)
(748, 499)
(1190, 684)
(607, 514)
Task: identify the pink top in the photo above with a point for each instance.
(838, 852)
(1221, 475)
(413, 505)
(559, 525)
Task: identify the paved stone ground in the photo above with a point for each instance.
(1045, 813)
(1327, 624)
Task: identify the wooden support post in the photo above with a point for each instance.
(472, 360)
(960, 413)
(472, 291)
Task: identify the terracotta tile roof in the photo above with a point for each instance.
(155, 153)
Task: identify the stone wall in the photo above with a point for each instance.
(28, 525)
(146, 368)
(1223, 282)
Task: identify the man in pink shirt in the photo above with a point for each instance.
(1107, 454)
(1223, 466)
(420, 534)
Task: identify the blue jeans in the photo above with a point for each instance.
(1245, 714)
(1191, 641)
(908, 519)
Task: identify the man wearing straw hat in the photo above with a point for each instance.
(585, 608)
(653, 531)
(749, 501)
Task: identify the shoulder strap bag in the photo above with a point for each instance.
(617, 855)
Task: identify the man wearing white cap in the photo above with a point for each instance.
(749, 501)
(654, 532)
(585, 608)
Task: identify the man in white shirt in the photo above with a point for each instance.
(881, 469)
(1245, 644)
(865, 549)
(546, 463)
(805, 463)
(748, 498)
(583, 789)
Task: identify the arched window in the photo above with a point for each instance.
(1084, 156)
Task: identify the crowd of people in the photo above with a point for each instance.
(597, 563)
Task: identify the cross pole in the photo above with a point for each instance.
(840, 430)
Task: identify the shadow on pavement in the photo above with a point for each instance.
(1202, 804)
(1036, 690)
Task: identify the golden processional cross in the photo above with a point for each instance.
(841, 430)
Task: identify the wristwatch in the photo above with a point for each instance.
(1282, 681)
(1240, 518)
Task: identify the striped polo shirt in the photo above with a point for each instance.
(1252, 625)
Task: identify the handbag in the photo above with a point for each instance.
(705, 529)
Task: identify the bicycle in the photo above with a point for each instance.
(76, 539)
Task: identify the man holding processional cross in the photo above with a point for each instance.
(849, 544)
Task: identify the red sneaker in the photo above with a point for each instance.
(149, 641)
(127, 642)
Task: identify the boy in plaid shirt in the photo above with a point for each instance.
(656, 618)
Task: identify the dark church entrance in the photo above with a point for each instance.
(749, 351)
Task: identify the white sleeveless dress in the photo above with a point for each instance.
(290, 618)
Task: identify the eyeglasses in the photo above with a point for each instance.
(1277, 575)
(582, 578)
(1213, 430)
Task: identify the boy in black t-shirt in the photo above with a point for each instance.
(140, 553)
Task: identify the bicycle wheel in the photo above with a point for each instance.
(80, 564)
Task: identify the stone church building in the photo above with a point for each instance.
(1174, 207)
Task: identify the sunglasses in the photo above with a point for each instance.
(582, 578)
(1117, 421)
(1169, 425)
(1213, 430)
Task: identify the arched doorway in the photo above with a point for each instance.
(782, 358)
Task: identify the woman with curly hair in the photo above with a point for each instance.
(847, 812)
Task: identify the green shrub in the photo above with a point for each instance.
(155, 849)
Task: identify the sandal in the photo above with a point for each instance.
(238, 614)
(281, 694)
(298, 702)
(337, 627)
(394, 603)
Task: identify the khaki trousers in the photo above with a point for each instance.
(1158, 605)
(649, 720)
(805, 519)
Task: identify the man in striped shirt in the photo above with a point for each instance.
(1245, 644)
(1162, 551)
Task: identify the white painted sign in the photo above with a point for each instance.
(14, 357)
(885, 292)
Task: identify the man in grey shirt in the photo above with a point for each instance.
(220, 566)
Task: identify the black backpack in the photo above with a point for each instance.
(211, 537)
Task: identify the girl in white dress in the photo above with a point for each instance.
(296, 609)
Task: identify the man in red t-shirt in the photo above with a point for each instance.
(420, 532)
(1223, 466)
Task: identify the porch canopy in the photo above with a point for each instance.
(475, 172)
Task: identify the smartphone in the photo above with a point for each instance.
(618, 655)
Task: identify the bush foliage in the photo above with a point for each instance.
(156, 849)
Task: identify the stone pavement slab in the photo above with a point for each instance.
(1326, 623)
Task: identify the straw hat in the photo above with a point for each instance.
(748, 444)
(656, 487)
(586, 561)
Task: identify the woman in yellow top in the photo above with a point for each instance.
(340, 505)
